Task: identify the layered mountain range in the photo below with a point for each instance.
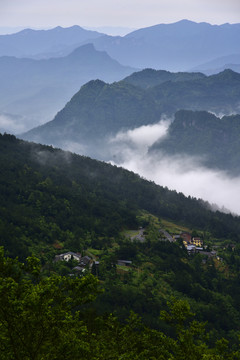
(41, 69)
(182, 126)
(99, 111)
(177, 46)
(45, 43)
(37, 89)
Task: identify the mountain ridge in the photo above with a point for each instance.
(99, 111)
(36, 89)
(215, 141)
(30, 42)
(176, 46)
(173, 46)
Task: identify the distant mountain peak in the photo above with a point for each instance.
(69, 28)
(25, 31)
(82, 49)
(227, 74)
(185, 21)
(96, 82)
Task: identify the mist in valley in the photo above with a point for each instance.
(182, 173)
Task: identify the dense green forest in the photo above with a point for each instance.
(49, 195)
(50, 318)
(54, 201)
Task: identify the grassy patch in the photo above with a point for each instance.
(94, 253)
(123, 268)
(173, 228)
(130, 233)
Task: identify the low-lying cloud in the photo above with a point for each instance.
(184, 174)
(144, 136)
(11, 124)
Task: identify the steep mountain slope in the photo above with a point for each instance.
(36, 89)
(99, 111)
(51, 202)
(49, 196)
(95, 113)
(43, 43)
(203, 134)
(175, 47)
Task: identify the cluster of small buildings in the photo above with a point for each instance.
(192, 244)
(83, 261)
(195, 245)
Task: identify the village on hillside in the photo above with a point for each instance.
(193, 245)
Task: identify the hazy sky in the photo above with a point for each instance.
(126, 13)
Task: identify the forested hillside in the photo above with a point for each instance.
(51, 318)
(49, 195)
(54, 201)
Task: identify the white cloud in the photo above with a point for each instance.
(145, 135)
(74, 147)
(181, 173)
(11, 124)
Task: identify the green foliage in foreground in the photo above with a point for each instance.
(52, 201)
(161, 270)
(46, 318)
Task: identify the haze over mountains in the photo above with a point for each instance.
(37, 89)
(217, 65)
(26, 86)
(45, 43)
(122, 121)
(176, 47)
(99, 110)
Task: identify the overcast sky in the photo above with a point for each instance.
(125, 13)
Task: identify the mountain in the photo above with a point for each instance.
(43, 43)
(36, 89)
(213, 140)
(217, 93)
(52, 202)
(49, 196)
(217, 65)
(176, 47)
(96, 112)
(99, 111)
(149, 77)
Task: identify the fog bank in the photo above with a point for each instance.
(184, 174)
